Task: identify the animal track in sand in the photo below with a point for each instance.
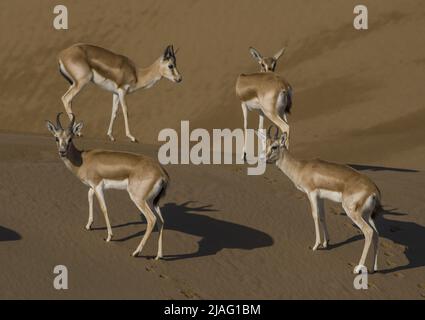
(270, 180)
(390, 263)
(190, 294)
(399, 275)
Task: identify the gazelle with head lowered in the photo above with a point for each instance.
(142, 177)
(320, 180)
(84, 63)
(270, 95)
(267, 64)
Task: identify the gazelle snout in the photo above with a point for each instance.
(178, 78)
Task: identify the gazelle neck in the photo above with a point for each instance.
(73, 159)
(288, 164)
(147, 77)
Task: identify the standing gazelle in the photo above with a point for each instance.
(82, 63)
(320, 180)
(143, 178)
(266, 63)
(268, 93)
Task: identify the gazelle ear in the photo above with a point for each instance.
(261, 135)
(167, 53)
(279, 54)
(76, 128)
(51, 127)
(257, 56)
(283, 139)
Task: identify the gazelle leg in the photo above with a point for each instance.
(322, 220)
(115, 105)
(66, 99)
(260, 127)
(151, 220)
(368, 232)
(121, 95)
(314, 202)
(160, 223)
(90, 221)
(281, 124)
(99, 194)
(245, 127)
(72, 92)
(375, 244)
(70, 95)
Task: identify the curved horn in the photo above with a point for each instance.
(269, 131)
(58, 122)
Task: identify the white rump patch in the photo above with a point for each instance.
(115, 184)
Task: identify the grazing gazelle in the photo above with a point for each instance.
(82, 63)
(320, 180)
(143, 178)
(266, 63)
(268, 93)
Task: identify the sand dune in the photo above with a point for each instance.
(358, 99)
(218, 243)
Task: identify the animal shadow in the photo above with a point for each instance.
(361, 167)
(408, 234)
(8, 235)
(215, 234)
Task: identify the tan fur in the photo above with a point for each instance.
(143, 178)
(321, 180)
(265, 92)
(84, 63)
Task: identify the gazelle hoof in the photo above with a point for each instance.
(360, 269)
(132, 139)
(109, 238)
(243, 157)
(316, 246)
(111, 138)
(88, 227)
(135, 253)
(325, 245)
(158, 257)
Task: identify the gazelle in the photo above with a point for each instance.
(266, 63)
(143, 178)
(320, 180)
(268, 93)
(82, 63)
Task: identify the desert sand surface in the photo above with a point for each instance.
(358, 99)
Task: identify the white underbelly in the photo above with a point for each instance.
(330, 195)
(103, 82)
(253, 104)
(115, 184)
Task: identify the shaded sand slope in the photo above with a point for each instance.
(218, 242)
(358, 95)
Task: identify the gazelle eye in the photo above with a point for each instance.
(170, 66)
